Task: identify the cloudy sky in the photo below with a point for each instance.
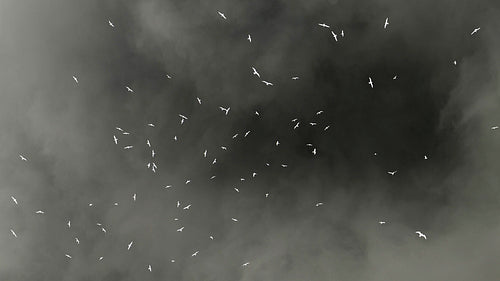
(433, 124)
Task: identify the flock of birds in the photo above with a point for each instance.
(151, 164)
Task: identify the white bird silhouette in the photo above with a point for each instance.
(267, 195)
(68, 256)
(178, 203)
(134, 197)
(222, 15)
(168, 186)
(370, 82)
(475, 30)
(76, 79)
(69, 224)
(381, 222)
(103, 230)
(455, 62)
(148, 143)
(233, 219)
(128, 147)
(255, 72)
(226, 110)
(334, 36)
(257, 113)
(110, 23)
(249, 38)
(211, 237)
(295, 78)
(267, 83)
(246, 134)
(129, 89)
(223, 148)
(77, 240)
(205, 153)
(326, 128)
(319, 112)
(195, 254)
(314, 151)
(245, 264)
(215, 161)
(254, 174)
(40, 212)
(119, 129)
(392, 173)
(149, 268)
(494, 127)
(312, 123)
(198, 99)
(395, 77)
(182, 116)
(23, 158)
(296, 125)
(212, 177)
(342, 33)
(324, 25)
(420, 234)
(115, 139)
(237, 190)
(425, 157)
(277, 143)
(130, 245)
(188, 181)
(284, 165)
(187, 207)
(14, 199)
(151, 125)
(234, 136)
(319, 204)
(100, 258)
(180, 229)
(13, 233)
(386, 23)
(153, 153)
(169, 77)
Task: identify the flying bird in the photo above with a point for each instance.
(180, 229)
(319, 204)
(40, 212)
(77, 240)
(14, 199)
(249, 38)
(395, 77)
(226, 110)
(205, 153)
(319, 112)
(324, 25)
(222, 15)
(128, 147)
(295, 78)
(187, 207)
(68, 256)
(134, 197)
(245, 264)
(130, 245)
(76, 79)
(233, 219)
(115, 139)
(23, 158)
(151, 125)
(237, 190)
(13, 233)
(198, 99)
(110, 23)
(255, 72)
(195, 254)
(381, 222)
(334, 36)
(182, 116)
(370, 82)
(267, 83)
(386, 23)
(475, 30)
(342, 33)
(494, 127)
(129, 89)
(392, 173)
(149, 268)
(296, 125)
(148, 143)
(246, 134)
(420, 234)
(69, 224)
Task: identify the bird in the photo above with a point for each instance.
(169, 77)
(277, 143)
(381, 222)
(128, 147)
(195, 254)
(267, 83)
(76, 79)
(188, 181)
(255, 72)
(257, 113)
(223, 148)
(103, 229)
(100, 258)
(180, 229)
(205, 153)
(115, 139)
(13, 233)
(312, 123)
(494, 127)
(475, 30)
(425, 157)
(68, 256)
(254, 174)
(319, 112)
(151, 125)
(198, 99)
(395, 77)
(77, 240)
(370, 82)
(246, 134)
(342, 33)
(211, 237)
(386, 23)
(245, 264)
(249, 38)
(125, 133)
(148, 143)
(149, 268)
(110, 23)
(319, 204)
(23, 158)
(14, 199)
(284, 165)
(296, 125)
(40, 212)
(172, 260)
(267, 195)
(182, 116)
(392, 173)
(455, 62)
(222, 15)
(334, 36)
(234, 136)
(225, 109)
(178, 203)
(134, 197)
(168, 186)
(215, 161)
(212, 177)
(187, 207)
(326, 128)
(237, 190)
(69, 224)
(153, 153)
(314, 151)
(130, 245)
(119, 129)
(295, 78)
(420, 234)
(324, 25)
(233, 219)
(129, 89)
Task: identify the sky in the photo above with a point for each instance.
(430, 117)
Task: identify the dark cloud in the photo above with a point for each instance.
(433, 108)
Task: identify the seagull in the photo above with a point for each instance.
(225, 109)
(68, 256)
(254, 174)
(312, 123)
(257, 113)
(319, 112)
(237, 190)
(314, 151)
(494, 127)
(425, 157)
(284, 165)
(130, 245)
(249, 38)
(420, 234)
(386, 22)
(211, 237)
(175, 138)
(309, 144)
(395, 77)
(198, 99)
(110, 23)
(223, 148)
(234, 136)
(77, 240)
(205, 153)
(129, 89)
(319, 204)
(255, 72)
(455, 62)
(334, 36)
(40, 212)
(245, 264)
(169, 77)
(324, 25)
(475, 30)
(100, 258)
(151, 125)
(222, 15)
(172, 260)
(295, 78)
(381, 222)
(180, 229)
(215, 161)
(296, 125)
(128, 147)
(182, 116)
(267, 83)
(392, 173)
(342, 33)
(148, 143)
(195, 254)
(212, 177)
(235, 220)
(294, 120)
(370, 82)
(115, 139)
(246, 134)
(153, 153)
(13, 233)
(23, 158)
(76, 79)
(103, 229)
(69, 224)
(277, 142)
(149, 268)
(119, 129)
(125, 133)
(178, 204)
(14, 199)
(326, 128)
(168, 186)
(188, 181)
(134, 197)
(187, 207)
